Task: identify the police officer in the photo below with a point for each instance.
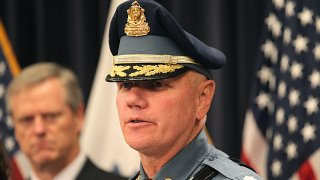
(164, 93)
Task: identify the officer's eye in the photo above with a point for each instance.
(127, 85)
(155, 84)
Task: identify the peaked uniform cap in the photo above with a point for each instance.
(160, 48)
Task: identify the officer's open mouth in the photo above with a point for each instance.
(136, 121)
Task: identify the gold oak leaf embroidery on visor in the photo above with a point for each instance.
(118, 70)
(149, 70)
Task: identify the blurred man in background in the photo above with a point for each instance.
(46, 105)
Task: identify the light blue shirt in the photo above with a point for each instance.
(194, 157)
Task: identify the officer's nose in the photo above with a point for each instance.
(136, 98)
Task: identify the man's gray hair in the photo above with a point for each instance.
(40, 72)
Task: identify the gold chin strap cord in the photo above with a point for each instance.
(152, 59)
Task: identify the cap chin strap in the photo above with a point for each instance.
(152, 59)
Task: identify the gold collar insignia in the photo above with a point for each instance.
(136, 21)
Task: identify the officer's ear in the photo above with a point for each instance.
(205, 94)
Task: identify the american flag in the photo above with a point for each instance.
(9, 68)
(281, 138)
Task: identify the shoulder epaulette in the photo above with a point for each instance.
(205, 173)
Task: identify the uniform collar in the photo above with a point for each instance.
(185, 162)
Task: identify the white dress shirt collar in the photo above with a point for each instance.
(69, 172)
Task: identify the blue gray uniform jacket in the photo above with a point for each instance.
(194, 157)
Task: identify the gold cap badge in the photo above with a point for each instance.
(136, 22)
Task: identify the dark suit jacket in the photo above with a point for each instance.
(91, 172)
